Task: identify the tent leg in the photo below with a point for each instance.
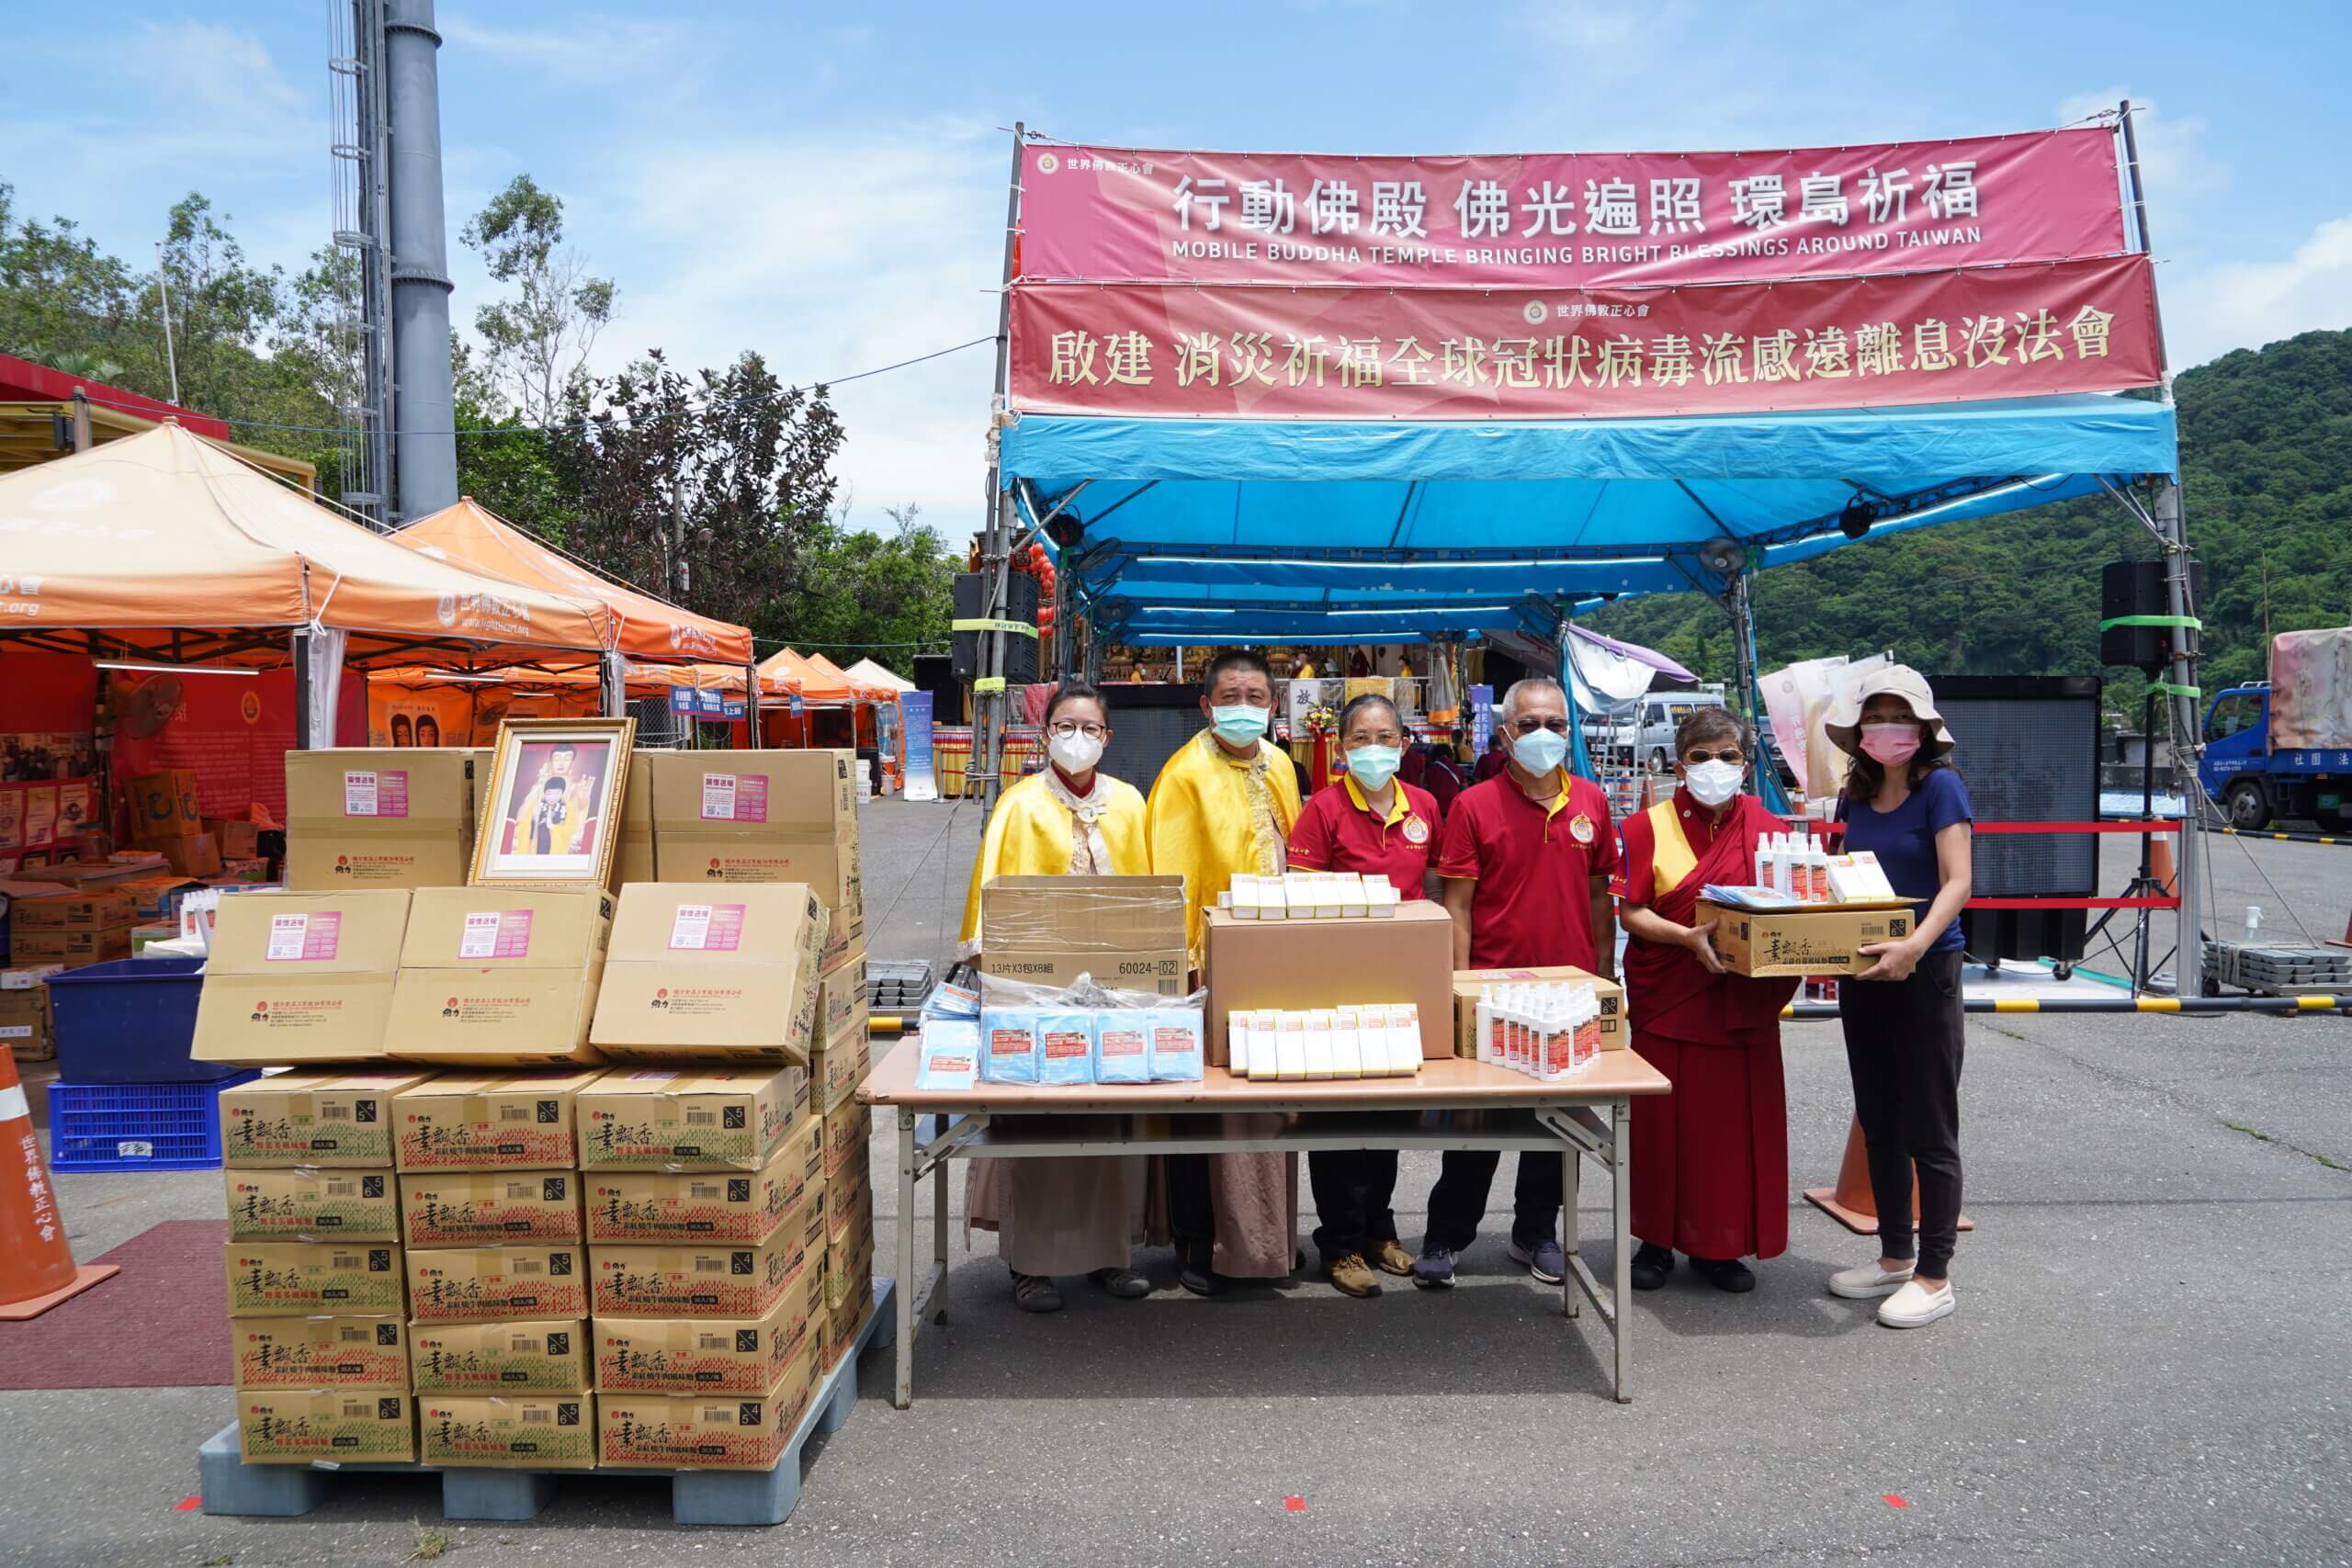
(2190, 958)
(302, 699)
(751, 707)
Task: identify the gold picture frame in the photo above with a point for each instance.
(551, 813)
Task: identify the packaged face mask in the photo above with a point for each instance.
(951, 1055)
(1008, 1051)
(1065, 1047)
(1176, 1044)
(1123, 1047)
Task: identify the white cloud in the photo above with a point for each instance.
(2175, 168)
(2248, 304)
(829, 253)
(590, 46)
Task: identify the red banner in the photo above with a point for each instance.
(1262, 352)
(1564, 218)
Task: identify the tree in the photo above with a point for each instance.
(537, 341)
(863, 592)
(2265, 446)
(706, 491)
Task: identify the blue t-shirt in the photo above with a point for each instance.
(1905, 841)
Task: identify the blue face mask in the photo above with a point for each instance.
(1374, 765)
(1238, 725)
(1540, 752)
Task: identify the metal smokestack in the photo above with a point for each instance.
(425, 451)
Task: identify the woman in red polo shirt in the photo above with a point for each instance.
(1375, 825)
(1710, 1161)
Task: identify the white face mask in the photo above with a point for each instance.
(1712, 784)
(1076, 751)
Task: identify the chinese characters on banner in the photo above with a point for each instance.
(1566, 219)
(1275, 351)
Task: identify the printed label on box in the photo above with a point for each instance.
(298, 938)
(707, 928)
(375, 792)
(732, 797)
(496, 933)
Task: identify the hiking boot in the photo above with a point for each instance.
(1351, 1275)
(1390, 1258)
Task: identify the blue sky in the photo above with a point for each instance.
(765, 178)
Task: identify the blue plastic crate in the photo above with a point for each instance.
(132, 1021)
(137, 1126)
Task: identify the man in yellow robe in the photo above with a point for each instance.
(1223, 804)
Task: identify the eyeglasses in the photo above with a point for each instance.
(1733, 756)
(1067, 728)
(1531, 725)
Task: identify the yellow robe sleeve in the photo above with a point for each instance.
(1029, 835)
(1202, 828)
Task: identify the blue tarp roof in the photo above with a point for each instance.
(1242, 530)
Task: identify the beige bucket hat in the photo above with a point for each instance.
(1844, 725)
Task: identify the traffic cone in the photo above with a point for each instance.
(37, 1269)
(2160, 864)
(1850, 1202)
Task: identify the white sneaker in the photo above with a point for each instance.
(1914, 1306)
(1868, 1282)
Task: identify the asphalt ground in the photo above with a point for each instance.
(2152, 1360)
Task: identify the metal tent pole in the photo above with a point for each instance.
(2180, 679)
(751, 707)
(989, 705)
(302, 693)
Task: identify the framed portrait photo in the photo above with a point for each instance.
(552, 810)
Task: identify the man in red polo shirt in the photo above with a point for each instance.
(1527, 857)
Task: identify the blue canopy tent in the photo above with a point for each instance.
(1172, 531)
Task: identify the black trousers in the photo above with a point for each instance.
(1192, 1214)
(1352, 1192)
(1458, 1201)
(1903, 1042)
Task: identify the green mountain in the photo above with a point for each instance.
(2267, 459)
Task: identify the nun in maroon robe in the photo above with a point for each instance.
(1710, 1161)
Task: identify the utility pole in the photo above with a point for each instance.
(163, 294)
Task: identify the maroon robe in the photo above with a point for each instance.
(1710, 1161)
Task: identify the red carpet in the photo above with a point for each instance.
(162, 1323)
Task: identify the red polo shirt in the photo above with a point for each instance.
(1336, 830)
(1534, 867)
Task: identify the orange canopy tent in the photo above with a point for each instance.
(646, 629)
(814, 678)
(161, 547)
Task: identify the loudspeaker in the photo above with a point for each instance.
(2137, 588)
(935, 674)
(1020, 651)
(2028, 748)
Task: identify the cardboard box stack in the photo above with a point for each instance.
(1289, 965)
(498, 1282)
(499, 976)
(317, 1309)
(167, 817)
(708, 1203)
(71, 927)
(444, 1265)
(725, 818)
(378, 817)
(27, 1026)
(300, 978)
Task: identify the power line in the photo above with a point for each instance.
(707, 401)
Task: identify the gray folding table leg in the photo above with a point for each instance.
(939, 1190)
(908, 1287)
(1571, 1239)
(1621, 1168)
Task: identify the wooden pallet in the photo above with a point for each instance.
(697, 1496)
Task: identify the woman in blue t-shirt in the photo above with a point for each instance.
(1905, 803)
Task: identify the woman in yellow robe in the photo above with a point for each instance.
(1083, 1214)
